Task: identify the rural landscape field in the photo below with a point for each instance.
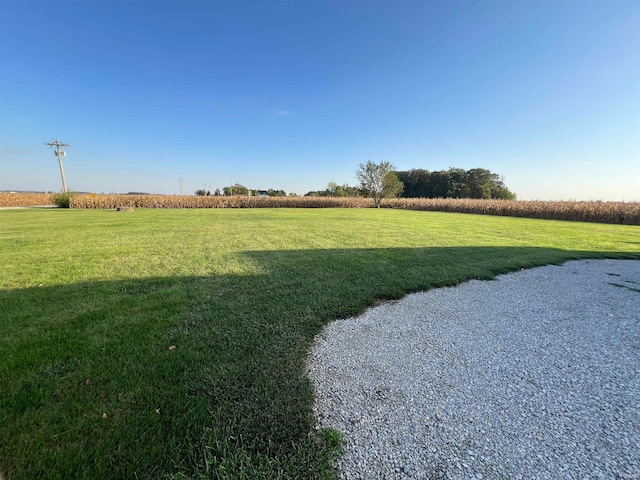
(192, 194)
(624, 213)
(166, 343)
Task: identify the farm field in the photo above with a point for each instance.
(623, 213)
(24, 199)
(165, 343)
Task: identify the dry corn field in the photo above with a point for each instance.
(627, 213)
(24, 199)
(184, 201)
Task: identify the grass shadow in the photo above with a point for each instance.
(92, 386)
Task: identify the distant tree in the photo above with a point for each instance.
(480, 180)
(439, 184)
(201, 192)
(217, 192)
(350, 191)
(458, 185)
(346, 190)
(416, 183)
(454, 183)
(240, 189)
(335, 190)
(501, 192)
(372, 179)
(236, 189)
(392, 187)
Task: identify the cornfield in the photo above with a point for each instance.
(627, 213)
(602, 212)
(24, 199)
(183, 201)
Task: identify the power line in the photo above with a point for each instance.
(132, 168)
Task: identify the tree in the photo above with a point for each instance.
(501, 192)
(236, 189)
(350, 191)
(201, 193)
(458, 184)
(454, 183)
(439, 184)
(416, 183)
(372, 178)
(480, 181)
(392, 187)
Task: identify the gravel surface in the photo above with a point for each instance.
(535, 375)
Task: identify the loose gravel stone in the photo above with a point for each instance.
(535, 375)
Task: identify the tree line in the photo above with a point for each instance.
(454, 183)
(377, 181)
(383, 181)
(238, 189)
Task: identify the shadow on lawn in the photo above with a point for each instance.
(91, 388)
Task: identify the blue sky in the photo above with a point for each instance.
(295, 94)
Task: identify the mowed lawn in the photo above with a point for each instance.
(93, 302)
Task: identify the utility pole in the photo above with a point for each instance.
(59, 153)
(180, 186)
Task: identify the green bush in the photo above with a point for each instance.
(62, 199)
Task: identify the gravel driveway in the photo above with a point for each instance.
(535, 375)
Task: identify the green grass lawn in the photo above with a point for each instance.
(91, 301)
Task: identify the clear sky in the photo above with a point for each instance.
(294, 94)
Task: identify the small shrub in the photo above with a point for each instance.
(62, 199)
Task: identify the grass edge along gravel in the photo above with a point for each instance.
(96, 299)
